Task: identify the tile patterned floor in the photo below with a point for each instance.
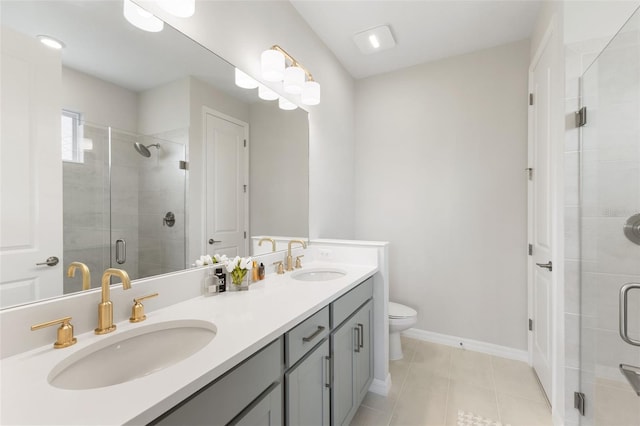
(433, 382)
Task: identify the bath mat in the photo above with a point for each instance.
(470, 419)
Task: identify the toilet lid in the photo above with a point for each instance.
(397, 310)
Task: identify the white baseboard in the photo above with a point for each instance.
(381, 387)
(472, 345)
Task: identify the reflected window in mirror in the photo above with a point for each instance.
(72, 137)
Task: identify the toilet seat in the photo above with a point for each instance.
(398, 311)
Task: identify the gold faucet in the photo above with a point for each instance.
(86, 275)
(105, 308)
(289, 258)
(273, 243)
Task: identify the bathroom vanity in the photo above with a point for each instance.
(285, 351)
(319, 372)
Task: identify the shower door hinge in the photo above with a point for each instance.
(581, 117)
(530, 249)
(244, 187)
(579, 402)
(245, 143)
(245, 235)
(184, 165)
(530, 324)
(530, 98)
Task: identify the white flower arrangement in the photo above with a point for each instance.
(238, 268)
(211, 260)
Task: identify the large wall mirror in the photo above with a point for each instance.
(127, 149)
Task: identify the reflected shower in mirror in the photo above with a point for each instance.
(133, 149)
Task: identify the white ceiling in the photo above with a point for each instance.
(425, 30)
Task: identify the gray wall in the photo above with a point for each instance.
(440, 155)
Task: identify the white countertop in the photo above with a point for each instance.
(246, 321)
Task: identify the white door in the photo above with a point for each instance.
(541, 219)
(226, 185)
(31, 179)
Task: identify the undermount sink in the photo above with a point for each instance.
(318, 274)
(132, 354)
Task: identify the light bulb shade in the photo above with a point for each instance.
(267, 94)
(286, 104)
(294, 78)
(245, 81)
(179, 8)
(310, 93)
(272, 63)
(140, 18)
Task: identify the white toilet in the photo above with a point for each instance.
(401, 317)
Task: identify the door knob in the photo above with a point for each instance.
(549, 265)
(212, 241)
(51, 261)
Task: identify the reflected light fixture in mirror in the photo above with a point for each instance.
(140, 18)
(286, 104)
(244, 80)
(296, 77)
(267, 94)
(179, 8)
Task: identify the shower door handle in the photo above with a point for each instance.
(121, 251)
(624, 292)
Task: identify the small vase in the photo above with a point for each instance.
(240, 283)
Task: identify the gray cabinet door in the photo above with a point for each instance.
(343, 345)
(364, 356)
(307, 391)
(266, 412)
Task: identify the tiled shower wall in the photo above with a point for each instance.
(600, 260)
(162, 190)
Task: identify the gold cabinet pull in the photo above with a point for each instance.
(65, 332)
(137, 310)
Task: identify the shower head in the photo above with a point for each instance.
(144, 150)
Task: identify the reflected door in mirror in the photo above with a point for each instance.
(226, 180)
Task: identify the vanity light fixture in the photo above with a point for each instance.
(297, 80)
(244, 80)
(140, 18)
(50, 42)
(374, 40)
(179, 8)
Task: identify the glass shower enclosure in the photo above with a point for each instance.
(610, 233)
(124, 202)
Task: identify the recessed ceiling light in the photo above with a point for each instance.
(50, 42)
(374, 40)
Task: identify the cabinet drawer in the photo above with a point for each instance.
(306, 335)
(342, 308)
(224, 399)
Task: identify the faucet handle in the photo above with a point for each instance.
(137, 310)
(65, 332)
(298, 262)
(279, 267)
